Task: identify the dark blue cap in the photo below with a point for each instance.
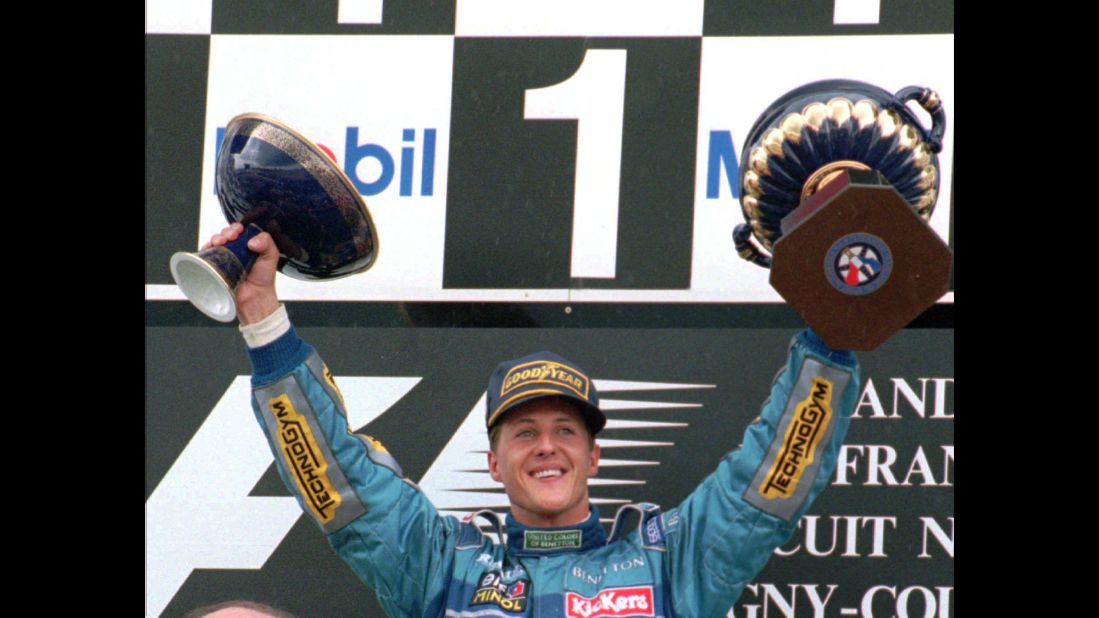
(542, 374)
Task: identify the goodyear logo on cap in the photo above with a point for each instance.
(799, 445)
(304, 460)
(545, 372)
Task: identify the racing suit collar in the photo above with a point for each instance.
(532, 541)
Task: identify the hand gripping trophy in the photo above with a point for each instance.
(271, 179)
(840, 181)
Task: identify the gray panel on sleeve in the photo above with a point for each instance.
(305, 455)
(787, 473)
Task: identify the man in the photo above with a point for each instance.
(542, 415)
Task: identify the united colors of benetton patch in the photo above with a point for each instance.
(304, 459)
(858, 264)
(553, 539)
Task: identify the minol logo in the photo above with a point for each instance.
(493, 591)
(545, 372)
(372, 167)
(303, 459)
(637, 601)
(800, 443)
(492, 596)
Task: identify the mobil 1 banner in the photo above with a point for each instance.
(572, 163)
(879, 542)
(557, 167)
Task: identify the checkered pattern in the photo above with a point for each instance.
(662, 95)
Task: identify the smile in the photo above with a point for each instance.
(541, 474)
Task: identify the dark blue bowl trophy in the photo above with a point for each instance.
(271, 179)
(839, 182)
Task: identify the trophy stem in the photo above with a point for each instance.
(210, 278)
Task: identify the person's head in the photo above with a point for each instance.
(238, 609)
(542, 416)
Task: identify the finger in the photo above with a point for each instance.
(230, 233)
(227, 235)
(262, 244)
(263, 270)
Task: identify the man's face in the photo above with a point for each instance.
(543, 459)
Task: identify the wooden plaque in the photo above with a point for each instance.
(857, 262)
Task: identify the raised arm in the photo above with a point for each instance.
(722, 535)
(353, 489)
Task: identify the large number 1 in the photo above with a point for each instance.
(595, 97)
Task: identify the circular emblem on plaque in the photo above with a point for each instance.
(858, 264)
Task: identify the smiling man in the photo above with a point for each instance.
(542, 416)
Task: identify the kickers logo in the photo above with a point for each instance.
(618, 602)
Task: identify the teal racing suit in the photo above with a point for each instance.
(692, 560)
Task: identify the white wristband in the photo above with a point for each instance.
(268, 329)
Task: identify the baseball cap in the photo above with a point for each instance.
(542, 374)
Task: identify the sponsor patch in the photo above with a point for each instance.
(633, 601)
(654, 535)
(492, 590)
(545, 372)
(304, 459)
(858, 264)
(552, 539)
(799, 444)
(672, 520)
